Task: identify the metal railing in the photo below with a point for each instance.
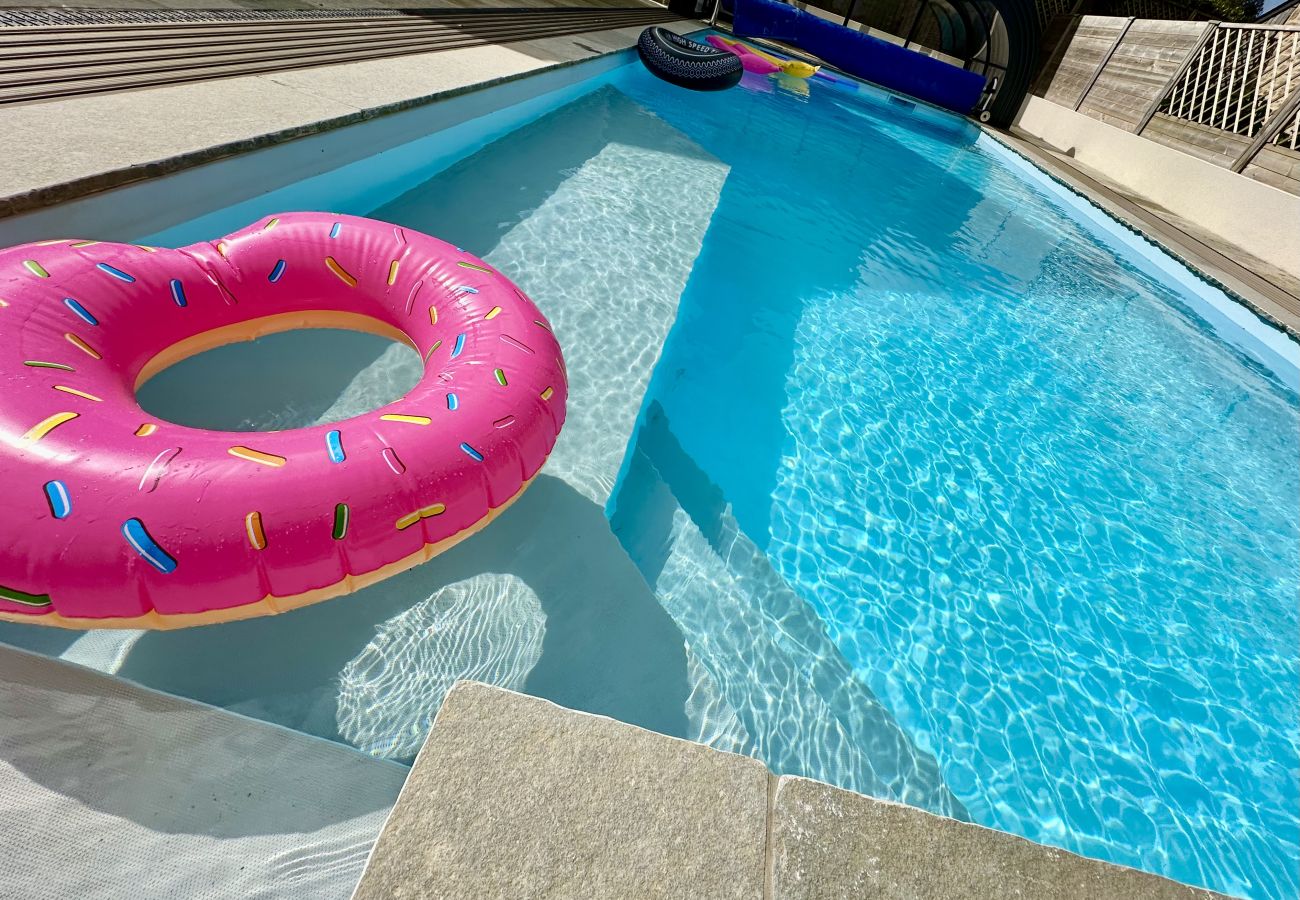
(1243, 79)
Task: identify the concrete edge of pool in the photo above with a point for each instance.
(513, 796)
(60, 155)
(1261, 296)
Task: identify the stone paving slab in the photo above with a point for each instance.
(517, 797)
(513, 796)
(828, 843)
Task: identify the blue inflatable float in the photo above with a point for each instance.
(861, 54)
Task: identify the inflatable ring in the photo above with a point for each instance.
(112, 519)
(687, 63)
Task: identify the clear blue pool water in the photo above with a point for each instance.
(882, 465)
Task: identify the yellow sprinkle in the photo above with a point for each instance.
(470, 265)
(410, 519)
(269, 225)
(79, 244)
(256, 536)
(221, 248)
(44, 427)
(436, 345)
(257, 456)
(410, 420)
(36, 268)
(493, 312)
(82, 345)
(392, 271)
(333, 265)
(146, 429)
(433, 315)
(51, 243)
(146, 249)
(77, 393)
(546, 394)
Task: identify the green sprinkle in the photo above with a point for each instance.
(501, 377)
(340, 521)
(23, 597)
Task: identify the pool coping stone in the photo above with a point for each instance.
(514, 796)
(132, 160)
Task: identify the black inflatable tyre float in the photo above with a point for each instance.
(686, 63)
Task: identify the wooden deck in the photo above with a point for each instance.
(51, 54)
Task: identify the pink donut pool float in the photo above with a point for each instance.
(113, 519)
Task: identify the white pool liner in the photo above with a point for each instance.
(111, 790)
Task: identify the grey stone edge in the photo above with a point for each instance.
(513, 796)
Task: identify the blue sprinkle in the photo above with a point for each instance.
(178, 292)
(452, 401)
(80, 310)
(334, 444)
(141, 542)
(334, 232)
(56, 494)
(460, 345)
(473, 454)
(460, 289)
(276, 272)
(116, 273)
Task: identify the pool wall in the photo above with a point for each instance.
(350, 169)
(1230, 319)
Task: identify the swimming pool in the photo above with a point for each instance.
(888, 462)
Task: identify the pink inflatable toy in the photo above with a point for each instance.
(751, 62)
(111, 519)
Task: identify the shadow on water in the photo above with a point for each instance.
(608, 647)
(166, 765)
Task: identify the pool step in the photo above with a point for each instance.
(44, 62)
(111, 789)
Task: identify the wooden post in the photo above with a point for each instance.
(1176, 77)
(1105, 59)
(1269, 131)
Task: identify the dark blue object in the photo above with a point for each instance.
(687, 63)
(861, 54)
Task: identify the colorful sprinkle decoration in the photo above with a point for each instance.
(256, 535)
(410, 519)
(471, 452)
(257, 456)
(58, 498)
(115, 272)
(334, 446)
(344, 275)
(14, 595)
(342, 515)
(45, 426)
(80, 311)
(143, 543)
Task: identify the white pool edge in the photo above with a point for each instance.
(1231, 320)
